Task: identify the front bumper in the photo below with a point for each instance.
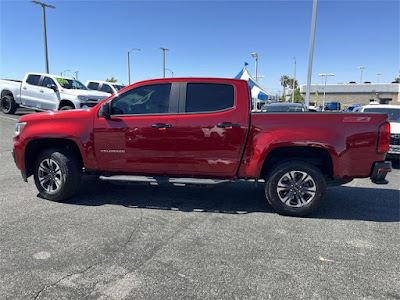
(380, 171)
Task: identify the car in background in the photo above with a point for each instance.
(313, 107)
(284, 107)
(332, 106)
(393, 112)
(353, 108)
(104, 86)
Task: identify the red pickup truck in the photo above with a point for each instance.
(201, 131)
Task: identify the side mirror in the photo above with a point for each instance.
(54, 87)
(105, 110)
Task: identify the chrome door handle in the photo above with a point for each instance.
(41, 91)
(24, 87)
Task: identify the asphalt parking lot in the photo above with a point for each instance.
(222, 242)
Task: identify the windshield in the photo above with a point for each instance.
(71, 84)
(393, 113)
(118, 86)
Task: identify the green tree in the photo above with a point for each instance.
(112, 79)
(297, 96)
(397, 79)
(284, 82)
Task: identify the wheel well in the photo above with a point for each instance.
(6, 93)
(66, 103)
(35, 147)
(316, 156)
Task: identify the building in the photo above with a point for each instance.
(354, 93)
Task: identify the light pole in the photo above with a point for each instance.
(255, 55)
(325, 75)
(379, 75)
(361, 69)
(164, 49)
(171, 72)
(129, 65)
(311, 54)
(76, 74)
(44, 30)
(294, 79)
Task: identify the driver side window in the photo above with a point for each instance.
(147, 99)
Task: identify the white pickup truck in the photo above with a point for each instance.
(104, 86)
(43, 92)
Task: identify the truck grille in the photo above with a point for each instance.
(92, 102)
(395, 139)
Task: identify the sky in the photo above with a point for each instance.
(204, 38)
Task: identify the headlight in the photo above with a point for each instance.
(83, 98)
(19, 127)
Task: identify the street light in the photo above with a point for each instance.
(171, 72)
(325, 75)
(76, 74)
(164, 49)
(294, 79)
(255, 55)
(129, 65)
(44, 30)
(361, 68)
(378, 74)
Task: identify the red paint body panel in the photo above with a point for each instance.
(196, 146)
(351, 142)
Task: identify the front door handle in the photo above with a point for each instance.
(161, 126)
(227, 125)
(24, 87)
(41, 91)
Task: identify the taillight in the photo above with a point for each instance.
(383, 138)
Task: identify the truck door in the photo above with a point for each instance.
(140, 136)
(211, 128)
(30, 90)
(50, 99)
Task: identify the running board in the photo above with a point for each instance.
(163, 180)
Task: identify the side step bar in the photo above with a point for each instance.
(163, 180)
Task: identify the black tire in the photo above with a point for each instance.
(8, 105)
(66, 107)
(57, 174)
(295, 188)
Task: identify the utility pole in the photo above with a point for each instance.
(129, 65)
(44, 30)
(164, 49)
(311, 54)
(294, 79)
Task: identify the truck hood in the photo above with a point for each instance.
(72, 115)
(87, 93)
(395, 127)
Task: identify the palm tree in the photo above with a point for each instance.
(284, 82)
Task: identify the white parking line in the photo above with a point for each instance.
(9, 118)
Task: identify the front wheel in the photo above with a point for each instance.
(295, 188)
(57, 174)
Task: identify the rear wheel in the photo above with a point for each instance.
(295, 188)
(57, 174)
(8, 105)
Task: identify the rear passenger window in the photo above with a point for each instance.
(93, 85)
(33, 79)
(204, 97)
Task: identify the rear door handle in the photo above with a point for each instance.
(161, 126)
(24, 87)
(227, 125)
(41, 91)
